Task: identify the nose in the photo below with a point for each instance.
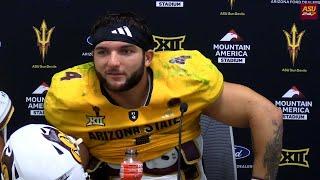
(114, 59)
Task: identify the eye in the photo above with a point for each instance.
(126, 51)
(100, 52)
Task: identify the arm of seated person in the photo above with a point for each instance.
(239, 106)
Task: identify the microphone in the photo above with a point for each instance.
(183, 109)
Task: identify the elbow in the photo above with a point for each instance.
(278, 115)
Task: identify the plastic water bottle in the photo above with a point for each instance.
(131, 168)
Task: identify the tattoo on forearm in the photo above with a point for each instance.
(273, 152)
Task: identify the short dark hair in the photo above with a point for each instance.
(131, 19)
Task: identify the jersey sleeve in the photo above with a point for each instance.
(187, 75)
(212, 77)
(65, 93)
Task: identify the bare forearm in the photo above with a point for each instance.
(273, 152)
(268, 152)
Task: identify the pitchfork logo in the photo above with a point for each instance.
(293, 42)
(43, 38)
(231, 2)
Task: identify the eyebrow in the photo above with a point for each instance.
(128, 46)
(99, 48)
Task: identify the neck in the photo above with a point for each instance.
(135, 97)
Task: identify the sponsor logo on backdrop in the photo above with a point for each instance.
(242, 152)
(293, 2)
(294, 105)
(294, 157)
(293, 39)
(169, 3)
(88, 53)
(309, 12)
(35, 101)
(231, 11)
(168, 43)
(231, 49)
(43, 37)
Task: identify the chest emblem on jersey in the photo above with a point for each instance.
(97, 119)
(133, 115)
(179, 60)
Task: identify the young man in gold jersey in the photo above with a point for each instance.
(130, 96)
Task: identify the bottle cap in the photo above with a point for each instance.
(131, 151)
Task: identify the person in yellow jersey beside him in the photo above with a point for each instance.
(130, 97)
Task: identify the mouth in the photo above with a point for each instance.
(115, 75)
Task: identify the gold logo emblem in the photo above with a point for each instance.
(231, 3)
(296, 157)
(70, 145)
(43, 38)
(293, 41)
(168, 43)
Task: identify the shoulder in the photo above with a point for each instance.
(176, 55)
(76, 72)
(67, 86)
(190, 64)
(188, 70)
(72, 77)
(184, 60)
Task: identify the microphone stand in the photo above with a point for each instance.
(183, 109)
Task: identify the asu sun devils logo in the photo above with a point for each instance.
(96, 120)
(168, 43)
(231, 3)
(293, 41)
(43, 38)
(296, 157)
(309, 11)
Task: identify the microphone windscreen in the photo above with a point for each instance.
(183, 107)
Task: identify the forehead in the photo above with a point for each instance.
(114, 45)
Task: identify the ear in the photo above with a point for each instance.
(148, 56)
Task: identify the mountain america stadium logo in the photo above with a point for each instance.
(294, 105)
(293, 93)
(35, 102)
(231, 49)
(41, 89)
(231, 36)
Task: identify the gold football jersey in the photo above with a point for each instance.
(75, 105)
